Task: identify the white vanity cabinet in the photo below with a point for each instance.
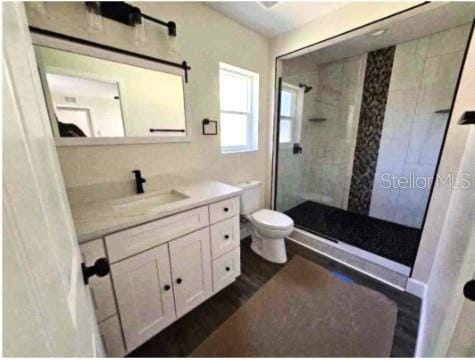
(163, 269)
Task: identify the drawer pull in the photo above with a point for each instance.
(226, 209)
(228, 268)
(226, 237)
(178, 281)
(167, 287)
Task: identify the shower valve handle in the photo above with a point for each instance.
(297, 148)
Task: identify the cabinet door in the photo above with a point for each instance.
(99, 287)
(191, 269)
(112, 337)
(144, 295)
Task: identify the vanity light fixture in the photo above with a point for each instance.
(126, 14)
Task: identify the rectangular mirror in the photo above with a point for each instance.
(95, 96)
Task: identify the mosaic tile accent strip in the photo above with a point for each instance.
(375, 93)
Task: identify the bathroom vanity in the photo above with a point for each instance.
(165, 259)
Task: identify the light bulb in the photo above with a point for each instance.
(173, 45)
(94, 21)
(140, 37)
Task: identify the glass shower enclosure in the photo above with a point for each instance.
(361, 127)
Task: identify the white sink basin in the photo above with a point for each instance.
(145, 203)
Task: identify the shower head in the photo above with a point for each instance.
(306, 87)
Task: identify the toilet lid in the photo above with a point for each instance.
(273, 219)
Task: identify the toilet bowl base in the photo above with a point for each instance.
(272, 250)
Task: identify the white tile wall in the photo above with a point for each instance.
(327, 146)
(423, 81)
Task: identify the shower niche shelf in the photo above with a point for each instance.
(317, 119)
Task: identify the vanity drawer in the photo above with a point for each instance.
(223, 209)
(100, 288)
(132, 241)
(112, 337)
(224, 236)
(226, 269)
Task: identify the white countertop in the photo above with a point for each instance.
(96, 219)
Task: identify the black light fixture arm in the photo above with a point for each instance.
(126, 14)
(169, 24)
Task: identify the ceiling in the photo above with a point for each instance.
(273, 18)
(416, 24)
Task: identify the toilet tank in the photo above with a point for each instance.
(250, 200)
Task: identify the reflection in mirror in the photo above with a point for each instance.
(85, 107)
(361, 127)
(93, 97)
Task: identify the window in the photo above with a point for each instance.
(239, 104)
(291, 103)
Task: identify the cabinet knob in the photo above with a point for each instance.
(179, 280)
(167, 287)
(100, 268)
(228, 268)
(226, 209)
(469, 290)
(226, 236)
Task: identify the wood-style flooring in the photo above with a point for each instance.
(183, 336)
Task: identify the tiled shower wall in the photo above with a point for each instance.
(329, 144)
(423, 81)
(323, 171)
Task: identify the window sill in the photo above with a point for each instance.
(228, 152)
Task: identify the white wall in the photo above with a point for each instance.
(424, 69)
(204, 39)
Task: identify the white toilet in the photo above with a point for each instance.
(269, 228)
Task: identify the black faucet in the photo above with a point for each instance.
(139, 180)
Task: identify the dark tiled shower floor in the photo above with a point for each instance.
(392, 241)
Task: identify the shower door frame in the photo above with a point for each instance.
(414, 10)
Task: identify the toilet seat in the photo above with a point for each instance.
(272, 219)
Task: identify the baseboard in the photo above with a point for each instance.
(422, 323)
(416, 288)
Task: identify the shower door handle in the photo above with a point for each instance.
(297, 148)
